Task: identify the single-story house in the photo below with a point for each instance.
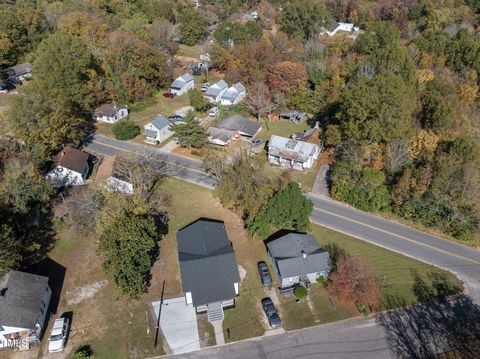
(110, 112)
(215, 92)
(221, 136)
(298, 258)
(288, 152)
(157, 130)
(293, 116)
(70, 168)
(17, 73)
(340, 26)
(208, 267)
(24, 301)
(237, 123)
(182, 84)
(233, 95)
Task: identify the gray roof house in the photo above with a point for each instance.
(208, 267)
(182, 84)
(238, 123)
(233, 95)
(221, 137)
(157, 130)
(215, 92)
(297, 258)
(24, 301)
(288, 152)
(18, 72)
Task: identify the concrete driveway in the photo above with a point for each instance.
(179, 325)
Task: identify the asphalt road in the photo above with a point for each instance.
(179, 166)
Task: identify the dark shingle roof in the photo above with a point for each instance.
(288, 253)
(72, 159)
(18, 70)
(238, 123)
(108, 109)
(22, 299)
(207, 262)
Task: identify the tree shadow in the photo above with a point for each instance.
(447, 325)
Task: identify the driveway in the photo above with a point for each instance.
(179, 325)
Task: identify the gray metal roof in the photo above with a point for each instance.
(238, 123)
(288, 253)
(181, 81)
(291, 149)
(208, 265)
(216, 88)
(149, 133)
(233, 91)
(160, 122)
(220, 134)
(21, 303)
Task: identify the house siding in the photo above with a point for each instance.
(188, 86)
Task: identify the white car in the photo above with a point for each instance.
(56, 342)
(213, 112)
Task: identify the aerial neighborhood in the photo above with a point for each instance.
(239, 179)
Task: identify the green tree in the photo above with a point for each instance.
(192, 26)
(234, 33)
(438, 106)
(125, 130)
(302, 18)
(197, 100)
(127, 240)
(190, 133)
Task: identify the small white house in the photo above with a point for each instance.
(157, 130)
(215, 92)
(233, 95)
(288, 152)
(110, 113)
(24, 301)
(182, 84)
(70, 168)
(340, 26)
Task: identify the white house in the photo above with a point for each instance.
(24, 301)
(70, 168)
(288, 152)
(208, 268)
(157, 130)
(110, 113)
(215, 92)
(340, 26)
(298, 258)
(233, 95)
(221, 136)
(182, 84)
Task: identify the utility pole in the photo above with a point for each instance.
(158, 318)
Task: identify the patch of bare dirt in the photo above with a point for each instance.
(88, 291)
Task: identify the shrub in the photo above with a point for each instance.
(300, 292)
(83, 352)
(197, 100)
(125, 130)
(321, 280)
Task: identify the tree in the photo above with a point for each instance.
(197, 100)
(286, 77)
(355, 280)
(302, 18)
(190, 133)
(125, 130)
(231, 33)
(162, 36)
(438, 107)
(259, 100)
(127, 241)
(192, 26)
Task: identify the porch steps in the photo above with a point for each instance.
(215, 311)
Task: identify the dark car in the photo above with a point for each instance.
(168, 95)
(175, 118)
(256, 143)
(264, 274)
(3, 88)
(271, 312)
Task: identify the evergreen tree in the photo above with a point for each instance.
(190, 133)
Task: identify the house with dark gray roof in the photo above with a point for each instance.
(17, 73)
(215, 92)
(157, 130)
(24, 301)
(233, 95)
(208, 267)
(70, 168)
(298, 258)
(110, 112)
(222, 137)
(182, 84)
(245, 127)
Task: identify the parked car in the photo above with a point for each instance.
(196, 70)
(213, 112)
(168, 94)
(256, 143)
(175, 118)
(58, 337)
(264, 274)
(205, 86)
(3, 88)
(272, 313)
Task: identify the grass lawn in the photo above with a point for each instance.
(281, 128)
(190, 51)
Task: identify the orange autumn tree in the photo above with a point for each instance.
(286, 77)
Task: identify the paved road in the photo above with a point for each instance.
(179, 166)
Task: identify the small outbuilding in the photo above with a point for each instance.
(298, 258)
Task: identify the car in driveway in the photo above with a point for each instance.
(205, 86)
(58, 337)
(272, 313)
(213, 112)
(168, 94)
(264, 274)
(3, 88)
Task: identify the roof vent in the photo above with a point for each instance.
(304, 255)
(3, 291)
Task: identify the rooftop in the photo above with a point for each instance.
(216, 88)
(108, 109)
(72, 159)
(292, 149)
(233, 91)
(181, 81)
(238, 123)
(160, 122)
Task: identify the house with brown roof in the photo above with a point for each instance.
(110, 112)
(70, 168)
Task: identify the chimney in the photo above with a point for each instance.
(304, 255)
(114, 105)
(317, 124)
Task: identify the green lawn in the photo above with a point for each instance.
(281, 128)
(190, 51)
